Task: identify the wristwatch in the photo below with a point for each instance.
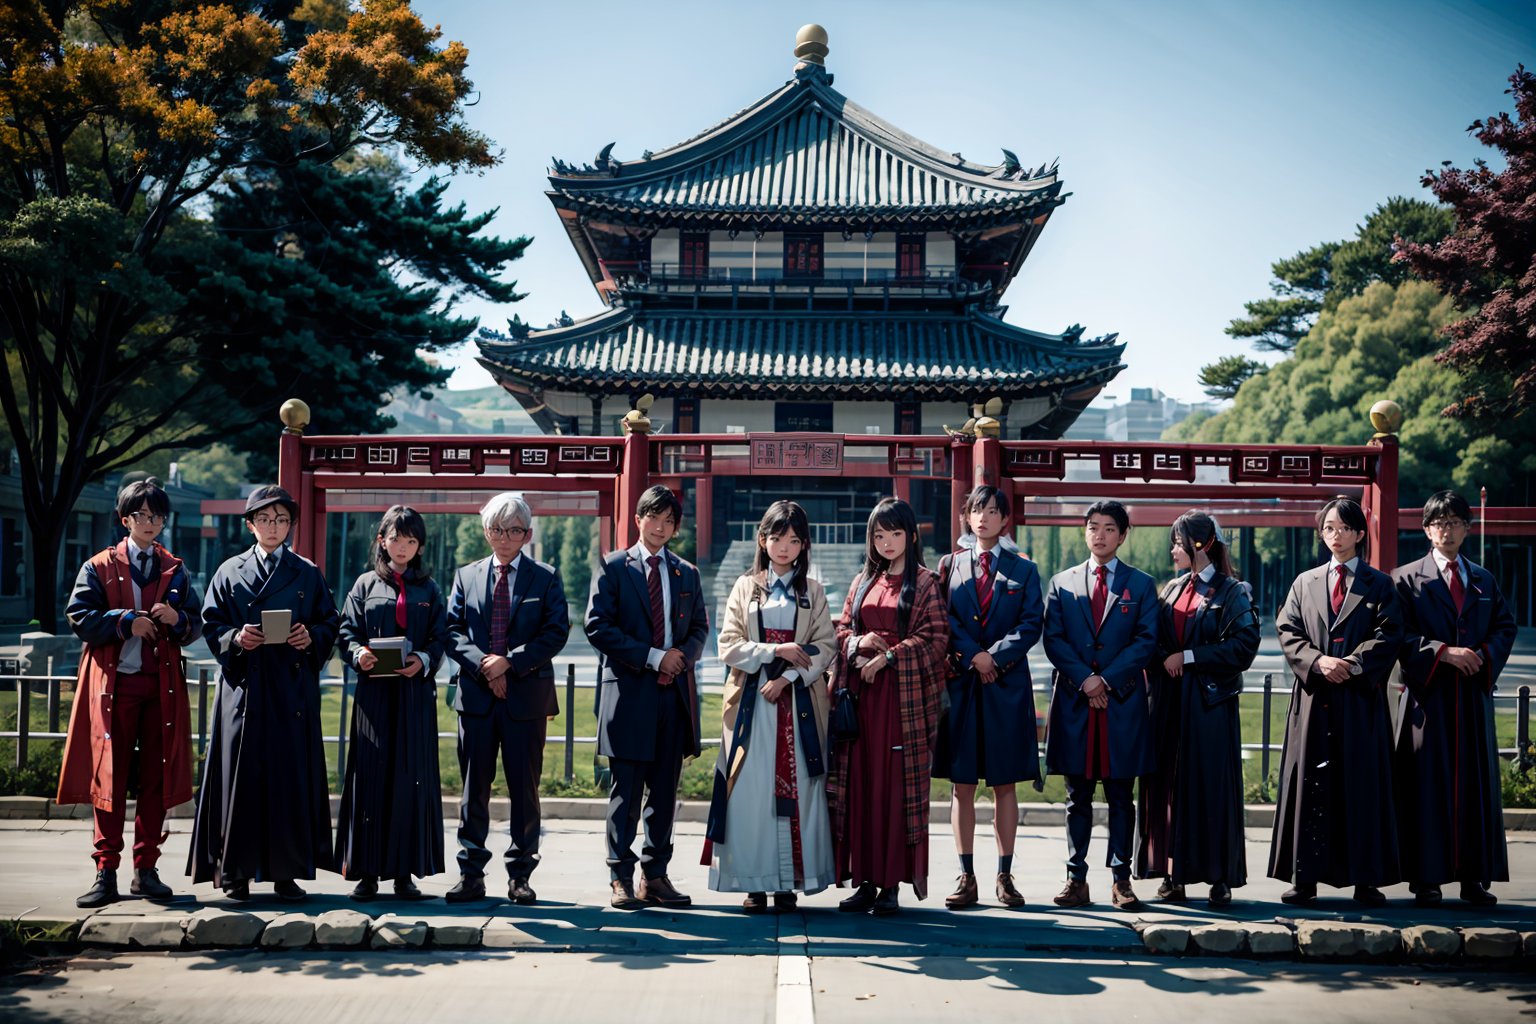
(890, 656)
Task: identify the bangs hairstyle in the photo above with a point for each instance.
(507, 509)
(1112, 509)
(402, 521)
(659, 501)
(1351, 515)
(980, 497)
(785, 517)
(1444, 504)
(1197, 531)
(133, 497)
(894, 516)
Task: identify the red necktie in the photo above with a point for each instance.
(1458, 592)
(984, 585)
(1100, 596)
(400, 618)
(501, 611)
(658, 610)
(1336, 599)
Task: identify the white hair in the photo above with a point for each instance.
(507, 509)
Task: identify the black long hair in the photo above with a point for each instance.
(1197, 531)
(403, 521)
(785, 517)
(892, 515)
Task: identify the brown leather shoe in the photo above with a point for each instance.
(755, 903)
(1123, 896)
(659, 892)
(965, 894)
(1007, 895)
(624, 895)
(1170, 893)
(1074, 895)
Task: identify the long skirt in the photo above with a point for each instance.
(876, 848)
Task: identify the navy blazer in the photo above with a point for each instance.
(1118, 651)
(1005, 707)
(619, 626)
(538, 630)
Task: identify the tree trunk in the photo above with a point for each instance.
(47, 535)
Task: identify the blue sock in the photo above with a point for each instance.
(968, 863)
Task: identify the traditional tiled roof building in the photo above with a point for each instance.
(803, 265)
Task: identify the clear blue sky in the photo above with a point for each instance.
(1200, 141)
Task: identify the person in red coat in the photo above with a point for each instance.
(134, 608)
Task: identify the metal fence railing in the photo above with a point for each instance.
(201, 680)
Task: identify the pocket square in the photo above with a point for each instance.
(532, 600)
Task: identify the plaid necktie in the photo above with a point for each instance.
(1336, 599)
(1458, 590)
(658, 605)
(1100, 596)
(501, 610)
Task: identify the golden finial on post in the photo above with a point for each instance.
(295, 416)
(636, 421)
(1386, 417)
(987, 424)
(811, 44)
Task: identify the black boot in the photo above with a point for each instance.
(146, 883)
(103, 892)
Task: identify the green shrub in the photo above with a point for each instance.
(38, 777)
(1520, 779)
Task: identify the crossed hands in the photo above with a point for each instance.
(1335, 670)
(1097, 691)
(1463, 659)
(873, 647)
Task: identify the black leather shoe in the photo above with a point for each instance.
(1428, 896)
(1170, 893)
(1220, 895)
(1299, 895)
(785, 902)
(405, 889)
(623, 895)
(1369, 896)
(468, 890)
(755, 903)
(887, 903)
(660, 892)
(288, 891)
(366, 889)
(520, 892)
(1475, 894)
(101, 892)
(862, 899)
(146, 883)
(240, 890)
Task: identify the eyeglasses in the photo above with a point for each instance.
(266, 522)
(502, 533)
(1337, 531)
(1448, 523)
(142, 518)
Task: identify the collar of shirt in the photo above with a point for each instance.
(787, 580)
(260, 553)
(134, 551)
(1111, 565)
(1441, 562)
(1353, 565)
(642, 554)
(1207, 574)
(513, 564)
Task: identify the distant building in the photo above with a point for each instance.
(1146, 417)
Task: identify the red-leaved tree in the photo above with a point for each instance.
(1488, 264)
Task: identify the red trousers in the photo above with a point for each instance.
(136, 719)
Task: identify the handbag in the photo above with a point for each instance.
(843, 722)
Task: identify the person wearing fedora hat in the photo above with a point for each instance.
(263, 812)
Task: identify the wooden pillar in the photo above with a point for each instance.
(986, 459)
(604, 522)
(634, 478)
(1382, 505)
(961, 459)
(314, 503)
(291, 476)
(704, 517)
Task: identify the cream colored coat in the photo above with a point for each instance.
(743, 649)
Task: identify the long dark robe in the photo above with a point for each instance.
(391, 819)
(1190, 810)
(1450, 813)
(1334, 818)
(263, 812)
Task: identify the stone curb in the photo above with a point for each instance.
(1516, 819)
(1306, 941)
(1340, 941)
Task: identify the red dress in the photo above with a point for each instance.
(876, 849)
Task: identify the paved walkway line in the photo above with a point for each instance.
(793, 998)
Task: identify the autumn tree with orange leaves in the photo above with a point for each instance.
(198, 218)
